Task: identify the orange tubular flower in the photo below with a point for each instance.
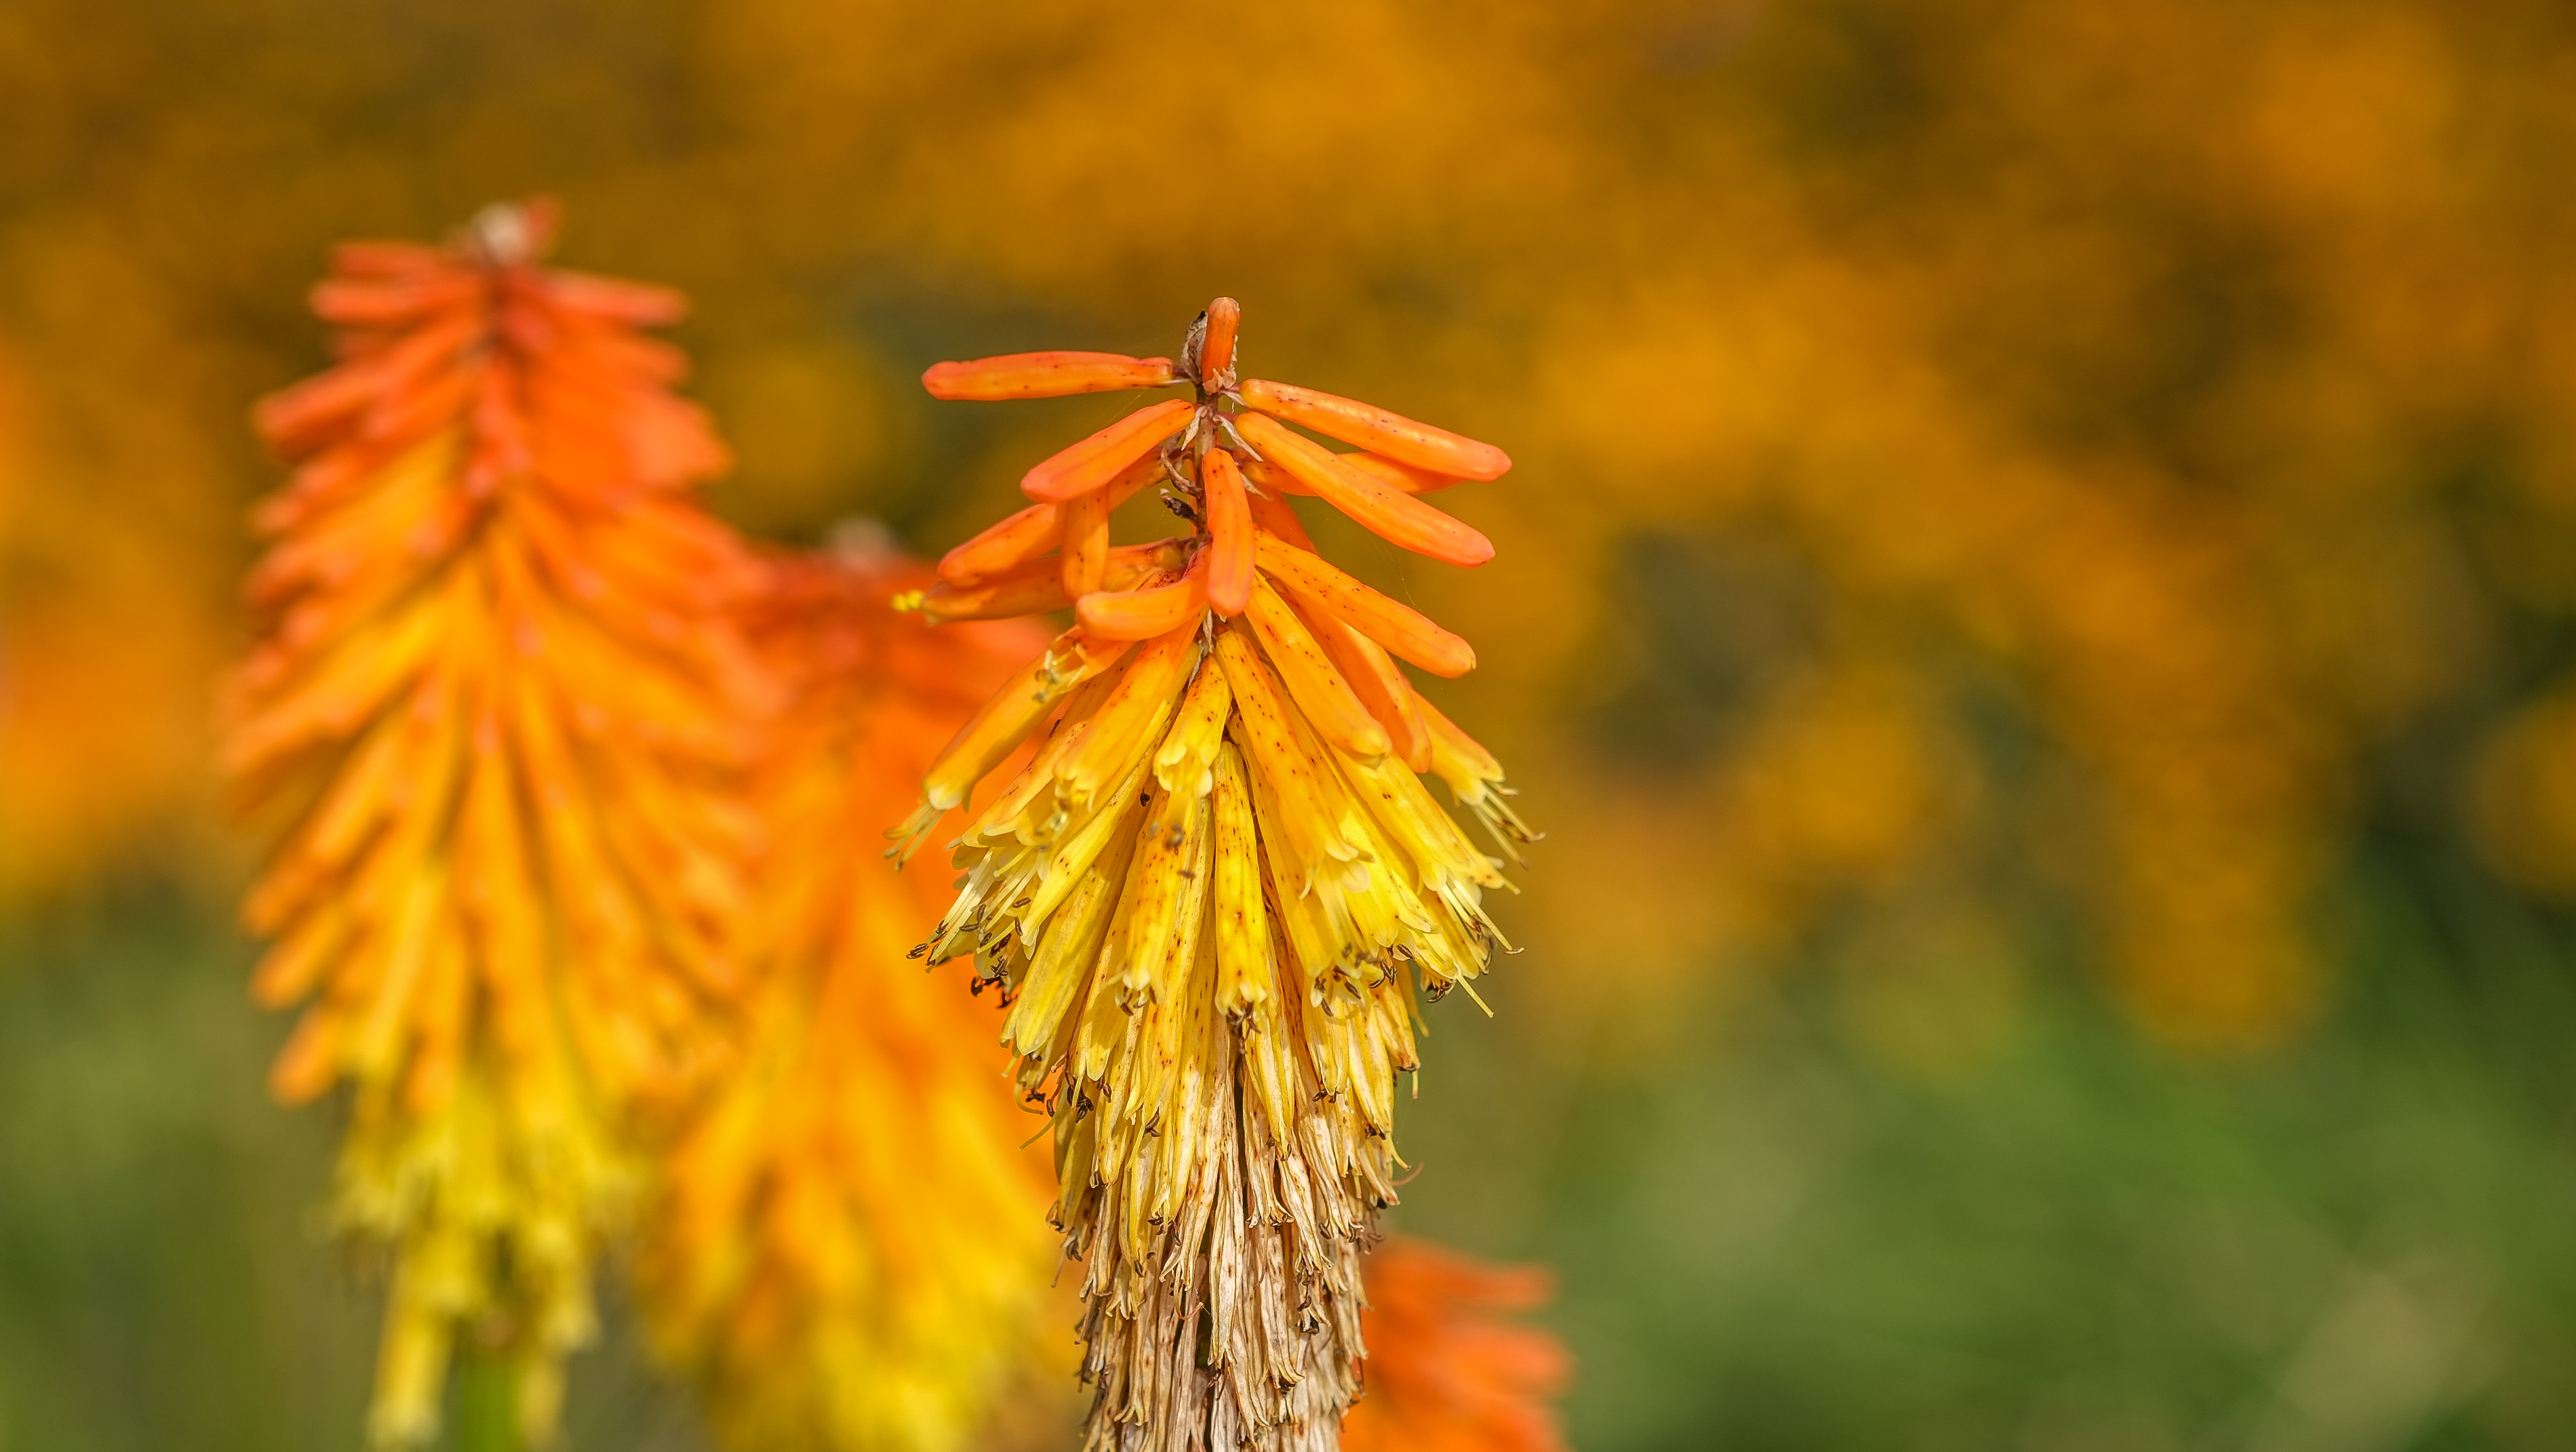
(849, 1252)
(1447, 1373)
(499, 697)
(1211, 900)
(1045, 375)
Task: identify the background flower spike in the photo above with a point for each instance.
(846, 1251)
(509, 887)
(1452, 1374)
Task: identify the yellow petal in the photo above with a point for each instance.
(1244, 978)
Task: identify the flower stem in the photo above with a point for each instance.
(487, 1398)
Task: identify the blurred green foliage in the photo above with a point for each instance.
(1787, 1238)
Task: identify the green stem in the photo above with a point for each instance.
(487, 1397)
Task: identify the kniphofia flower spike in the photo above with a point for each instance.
(499, 697)
(1213, 893)
(847, 1254)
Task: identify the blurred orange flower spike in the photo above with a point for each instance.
(1016, 540)
(1142, 614)
(1446, 1372)
(1320, 585)
(1399, 438)
(1044, 375)
(1102, 457)
(1397, 517)
(1229, 527)
(1313, 682)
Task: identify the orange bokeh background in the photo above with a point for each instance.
(2007, 496)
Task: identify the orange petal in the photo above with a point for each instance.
(1274, 515)
(1401, 475)
(1398, 518)
(1044, 375)
(1379, 683)
(1371, 427)
(1321, 586)
(1216, 346)
(1313, 682)
(1377, 466)
(310, 1060)
(1262, 727)
(1100, 458)
(1459, 754)
(393, 304)
(1129, 564)
(1144, 614)
(1013, 542)
(1035, 586)
(1086, 528)
(1012, 713)
(1086, 542)
(1229, 526)
(1269, 478)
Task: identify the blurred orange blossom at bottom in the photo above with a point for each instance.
(1446, 1371)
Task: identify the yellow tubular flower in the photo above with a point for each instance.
(1212, 896)
(848, 1253)
(496, 702)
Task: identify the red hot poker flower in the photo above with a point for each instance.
(1213, 894)
(500, 699)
